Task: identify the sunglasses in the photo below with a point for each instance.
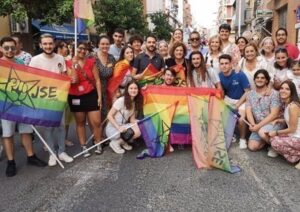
(7, 48)
(195, 39)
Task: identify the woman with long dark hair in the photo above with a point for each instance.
(123, 114)
(287, 141)
(282, 69)
(201, 76)
(85, 95)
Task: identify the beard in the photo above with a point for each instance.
(48, 53)
(151, 49)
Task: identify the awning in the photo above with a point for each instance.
(62, 32)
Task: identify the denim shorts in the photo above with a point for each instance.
(9, 127)
(267, 128)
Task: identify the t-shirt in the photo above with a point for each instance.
(235, 84)
(55, 64)
(122, 116)
(261, 104)
(25, 57)
(211, 79)
(115, 51)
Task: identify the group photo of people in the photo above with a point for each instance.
(261, 80)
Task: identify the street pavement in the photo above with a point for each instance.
(112, 182)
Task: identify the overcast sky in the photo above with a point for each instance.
(203, 11)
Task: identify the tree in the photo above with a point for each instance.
(162, 28)
(49, 11)
(126, 14)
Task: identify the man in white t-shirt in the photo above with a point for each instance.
(52, 62)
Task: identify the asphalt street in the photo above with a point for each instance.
(112, 182)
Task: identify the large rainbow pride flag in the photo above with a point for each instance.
(32, 96)
(158, 97)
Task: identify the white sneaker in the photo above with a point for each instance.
(52, 161)
(116, 147)
(272, 153)
(126, 146)
(65, 157)
(243, 143)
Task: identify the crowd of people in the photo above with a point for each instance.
(261, 80)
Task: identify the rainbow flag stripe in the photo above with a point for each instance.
(32, 96)
(158, 97)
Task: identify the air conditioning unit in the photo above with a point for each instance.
(19, 27)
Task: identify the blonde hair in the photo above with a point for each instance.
(211, 39)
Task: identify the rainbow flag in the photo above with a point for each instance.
(198, 109)
(217, 155)
(151, 76)
(158, 97)
(119, 72)
(32, 96)
(83, 10)
(155, 131)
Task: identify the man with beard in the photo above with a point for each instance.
(8, 48)
(262, 108)
(145, 58)
(20, 54)
(281, 40)
(50, 61)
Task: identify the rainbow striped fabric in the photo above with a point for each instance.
(158, 97)
(83, 10)
(210, 117)
(32, 96)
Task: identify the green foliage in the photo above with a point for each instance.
(162, 28)
(126, 14)
(49, 11)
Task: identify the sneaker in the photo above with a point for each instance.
(272, 153)
(35, 161)
(52, 161)
(116, 147)
(298, 166)
(99, 150)
(243, 144)
(126, 146)
(11, 169)
(65, 157)
(87, 153)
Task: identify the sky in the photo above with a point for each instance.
(203, 11)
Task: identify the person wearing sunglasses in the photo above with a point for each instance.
(8, 48)
(195, 44)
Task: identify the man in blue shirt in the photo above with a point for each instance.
(234, 86)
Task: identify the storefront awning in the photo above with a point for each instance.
(61, 32)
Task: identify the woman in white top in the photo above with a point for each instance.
(282, 69)
(267, 48)
(201, 75)
(287, 141)
(251, 63)
(121, 115)
(215, 50)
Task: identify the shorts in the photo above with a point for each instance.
(232, 102)
(84, 103)
(9, 128)
(267, 128)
